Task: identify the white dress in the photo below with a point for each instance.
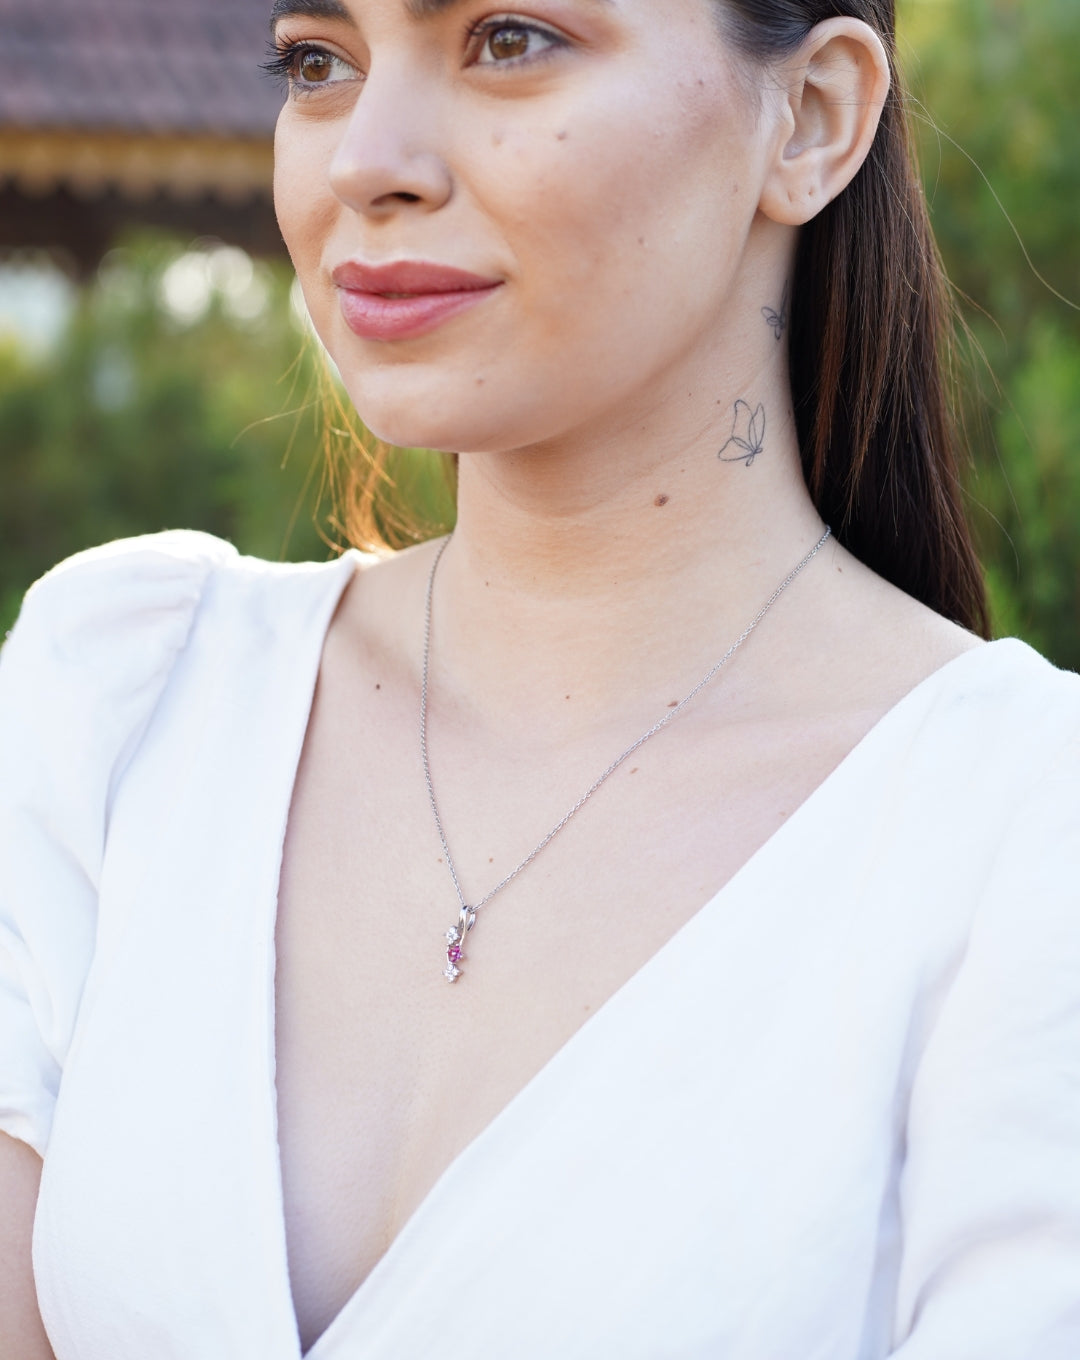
(836, 1117)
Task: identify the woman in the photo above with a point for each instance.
(662, 277)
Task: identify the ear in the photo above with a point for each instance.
(831, 97)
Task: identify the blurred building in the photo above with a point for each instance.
(122, 112)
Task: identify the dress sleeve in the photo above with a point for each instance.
(990, 1198)
(80, 675)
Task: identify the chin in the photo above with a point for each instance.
(417, 422)
(407, 409)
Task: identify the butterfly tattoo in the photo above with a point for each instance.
(747, 435)
(777, 320)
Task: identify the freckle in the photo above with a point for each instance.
(561, 136)
(641, 240)
(661, 501)
(479, 382)
(496, 139)
(635, 769)
(441, 861)
(674, 703)
(378, 686)
(491, 859)
(568, 696)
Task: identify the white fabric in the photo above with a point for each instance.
(837, 1117)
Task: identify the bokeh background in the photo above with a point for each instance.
(155, 365)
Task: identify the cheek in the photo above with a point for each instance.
(305, 205)
(631, 210)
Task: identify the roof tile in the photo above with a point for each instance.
(143, 66)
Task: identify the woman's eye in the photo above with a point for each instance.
(307, 68)
(506, 41)
(317, 67)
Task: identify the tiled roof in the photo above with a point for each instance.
(137, 66)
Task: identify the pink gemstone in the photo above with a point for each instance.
(454, 953)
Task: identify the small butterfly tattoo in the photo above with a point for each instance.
(752, 442)
(777, 320)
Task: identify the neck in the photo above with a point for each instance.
(637, 551)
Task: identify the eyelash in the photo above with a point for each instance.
(284, 56)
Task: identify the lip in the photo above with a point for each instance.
(406, 298)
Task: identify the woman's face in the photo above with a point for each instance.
(592, 166)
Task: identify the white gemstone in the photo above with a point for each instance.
(453, 935)
(450, 973)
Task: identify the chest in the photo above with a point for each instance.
(386, 1073)
(672, 1140)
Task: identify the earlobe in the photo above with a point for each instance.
(835, 88)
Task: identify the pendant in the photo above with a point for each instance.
(455, 943)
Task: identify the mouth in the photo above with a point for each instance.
(407, 298)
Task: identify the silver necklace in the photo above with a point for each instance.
(456, 935)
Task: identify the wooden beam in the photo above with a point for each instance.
(90, 164)
(79, 231)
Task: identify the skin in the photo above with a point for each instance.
(22, 1337)
(638, 192)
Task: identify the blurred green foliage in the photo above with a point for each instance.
(999, 136)
(144, 417)
(138, 421)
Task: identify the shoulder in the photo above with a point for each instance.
(134, 601)
(93, 650)
(88, 600)
(873, 648)
(994, 773)
(991, 751)
(80, 672)
(99, 630)
(1015, 703)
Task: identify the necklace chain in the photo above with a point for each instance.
(467, 919)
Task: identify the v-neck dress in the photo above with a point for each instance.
(836, 1117)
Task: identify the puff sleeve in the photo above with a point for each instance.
(80, 676)
(990, 1197)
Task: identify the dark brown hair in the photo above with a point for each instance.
(871, 352)
(872, 323)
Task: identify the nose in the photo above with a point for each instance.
(390, 154)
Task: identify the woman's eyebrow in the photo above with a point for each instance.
(424, 9)
(310, 9)
(335, 9)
